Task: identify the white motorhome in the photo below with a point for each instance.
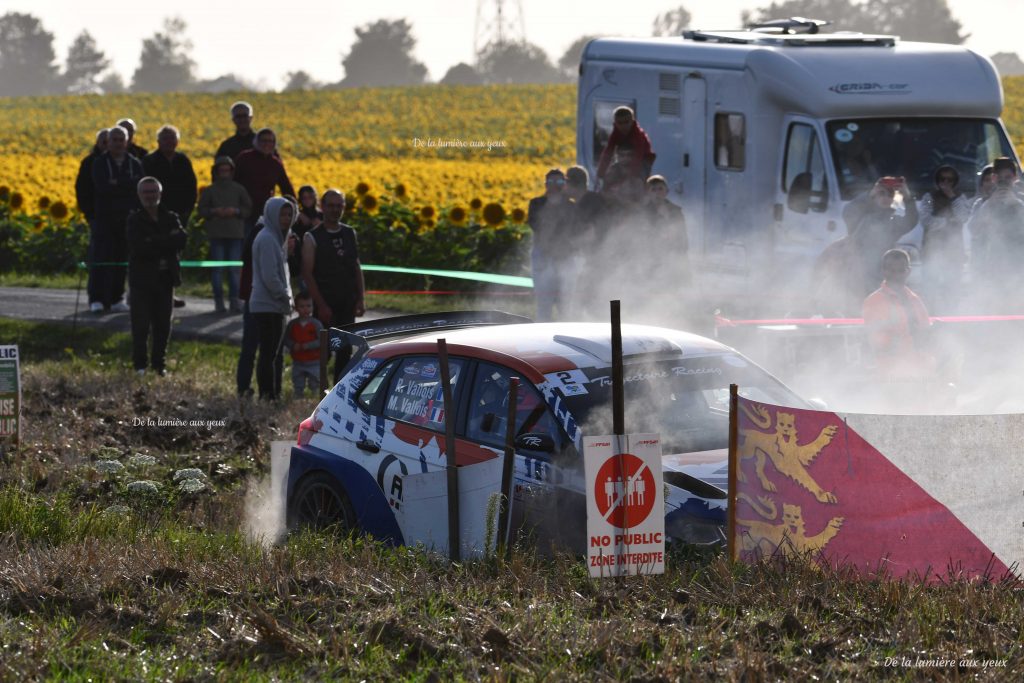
(764, 137)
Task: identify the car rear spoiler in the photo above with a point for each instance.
(359, 335)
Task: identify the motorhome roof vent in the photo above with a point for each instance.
(782, 33)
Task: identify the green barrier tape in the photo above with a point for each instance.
(489, 278)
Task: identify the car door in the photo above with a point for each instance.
(544, 457)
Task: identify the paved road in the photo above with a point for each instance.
(197, 320)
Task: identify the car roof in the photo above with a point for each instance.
(551, 347)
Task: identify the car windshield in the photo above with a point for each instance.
(866, 149)
(686, 402)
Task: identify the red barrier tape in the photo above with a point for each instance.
(725, 322)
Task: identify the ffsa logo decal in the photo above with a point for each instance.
(391, 474)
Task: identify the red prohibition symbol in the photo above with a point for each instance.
(624, 490)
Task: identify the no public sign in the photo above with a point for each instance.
(625, 505)
(624, 490)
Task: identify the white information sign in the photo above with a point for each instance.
(625, 505)
(10, 394)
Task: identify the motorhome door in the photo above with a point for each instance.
(805, 209)
(694, 146)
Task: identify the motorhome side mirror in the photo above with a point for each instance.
(541, 443)
(798, 199)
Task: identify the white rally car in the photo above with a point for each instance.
(371, 456)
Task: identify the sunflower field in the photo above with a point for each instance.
(433, 174)
(445, 144)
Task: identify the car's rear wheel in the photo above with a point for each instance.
(321, 503)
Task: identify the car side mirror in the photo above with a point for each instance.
(541, 443)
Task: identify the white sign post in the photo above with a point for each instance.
(625, 505)
(10, 395)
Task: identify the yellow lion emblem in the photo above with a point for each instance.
(789, 533)
(788, 456)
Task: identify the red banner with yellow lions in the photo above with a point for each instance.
(901, 496)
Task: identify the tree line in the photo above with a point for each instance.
(382, 53)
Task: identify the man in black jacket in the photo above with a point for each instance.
(241, 116)
(154, 239)
(174, 171)
(85, 194)
(133, 149)
(115, 176)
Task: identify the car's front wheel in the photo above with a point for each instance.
(321, 503)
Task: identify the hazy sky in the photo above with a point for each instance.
(272, 38)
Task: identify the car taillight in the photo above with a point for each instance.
(307, 428)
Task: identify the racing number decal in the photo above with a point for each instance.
(571, 382)
(394, 496)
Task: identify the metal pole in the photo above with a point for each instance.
(618, 404)
(730, 532)
(451, 464)
(506, 469)
(78, 297)
(325, 355)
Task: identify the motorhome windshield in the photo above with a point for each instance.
(866, 149)
(686, 401)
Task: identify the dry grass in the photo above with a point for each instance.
(168, 587)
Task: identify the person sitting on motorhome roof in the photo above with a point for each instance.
(628, 144)
(997, 231)
(943, 213)
(875, 221)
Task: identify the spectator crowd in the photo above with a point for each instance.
(138, 206)
(587, 246)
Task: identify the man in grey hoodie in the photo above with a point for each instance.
(271, 300)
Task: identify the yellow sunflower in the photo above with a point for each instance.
(475, 203)
(458, 215)
(494, 214)
(44, 203)
(17, 200)
(59, 210)
(518, 215)
(427, 213)
(369, 203)
(362, 188)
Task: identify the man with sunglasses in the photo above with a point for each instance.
(241, 116)
(550, 218)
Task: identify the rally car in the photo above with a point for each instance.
(371, 456)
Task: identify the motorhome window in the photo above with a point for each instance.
(804, 179)
(604, 123)
(864, 150)
(730, 141)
